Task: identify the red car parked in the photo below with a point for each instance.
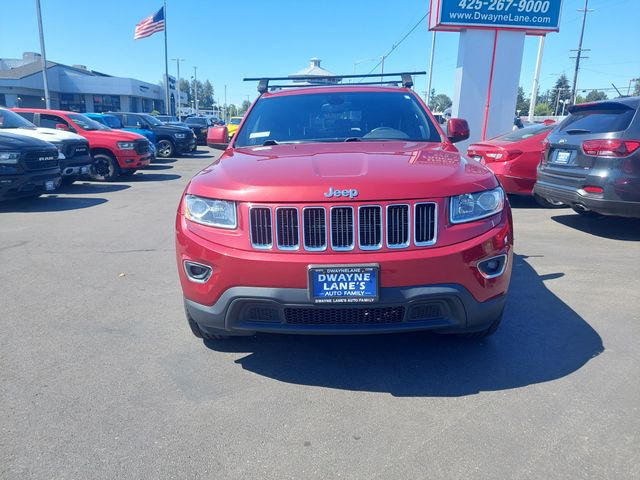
(514, 158)
(115, 152)
(343, 209)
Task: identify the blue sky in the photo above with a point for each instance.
(228, 40)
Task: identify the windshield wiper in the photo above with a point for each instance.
(353, 139)
(268, 143)
(571, 131)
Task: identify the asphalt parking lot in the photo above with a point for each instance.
(101, 378)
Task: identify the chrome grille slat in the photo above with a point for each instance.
(342, 234)
(370, 227)
(314, 224)
(398, 226)
(287, 228)
(424, 232)
(260, 227)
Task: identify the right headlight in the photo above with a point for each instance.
(474, 206)
(207, 211)
(9, 158)
(180, 135)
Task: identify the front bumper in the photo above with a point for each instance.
(246, 310)
(134, 161)
(76, 166)
(28, 184)
(185, 146)
(573, 196)
(255, 290)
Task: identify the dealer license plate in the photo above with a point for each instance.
(344, 283)
(562, 157)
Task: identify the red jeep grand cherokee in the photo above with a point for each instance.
(343, 209)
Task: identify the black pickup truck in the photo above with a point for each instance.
(28, 167)
(172, 139)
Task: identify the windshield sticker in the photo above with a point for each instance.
(259, 134)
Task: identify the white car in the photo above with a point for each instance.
(73, 150)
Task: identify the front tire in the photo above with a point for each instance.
(195, 329)
(166, 148)
(546, 203)
(487, 332)
(104, 168)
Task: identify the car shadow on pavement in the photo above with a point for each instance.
(91, 188)
(148, 177)
(615, 228)
(157, 167)
(541, 339)
(50, 203)
(522, 202)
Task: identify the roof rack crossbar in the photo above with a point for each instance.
(263, 85)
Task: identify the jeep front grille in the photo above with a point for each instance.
(315, 228)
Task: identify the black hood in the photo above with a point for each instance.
(11, 141)
(170, 129)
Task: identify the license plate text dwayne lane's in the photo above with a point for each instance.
(344, 284)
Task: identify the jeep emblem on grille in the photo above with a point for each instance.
(350, 192)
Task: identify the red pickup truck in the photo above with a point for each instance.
(114, 152)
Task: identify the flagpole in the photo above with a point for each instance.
(43, 58)
(167, 99)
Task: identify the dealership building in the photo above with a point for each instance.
(75, 88)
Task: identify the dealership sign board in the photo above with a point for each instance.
(535, 17)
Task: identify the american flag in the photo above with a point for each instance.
(150, 25)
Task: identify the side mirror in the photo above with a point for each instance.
(218, 137)
(457, 130)
(62, 126)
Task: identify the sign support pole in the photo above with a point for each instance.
(536, 80)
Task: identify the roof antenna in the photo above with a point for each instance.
(617, 90)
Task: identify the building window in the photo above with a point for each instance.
(106, 103)
(72, 102)
(3, 100)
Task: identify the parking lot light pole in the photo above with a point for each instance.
(178, 100)
(43, 58)
(536, 80)
(195, 86)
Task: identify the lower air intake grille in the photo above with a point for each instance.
(344, 316)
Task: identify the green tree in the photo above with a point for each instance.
(232, 110)
(207, 95)
(636, 89)
(245, 106)
(185, 87)
(543, 109)
(560, 91)
(580, 99)
(522, 103)
(595, 95)
(439, 103)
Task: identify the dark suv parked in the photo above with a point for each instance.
(172, 139)
(28, 167)
(592, 160)
(200, 125)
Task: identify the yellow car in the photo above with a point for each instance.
(232, 126)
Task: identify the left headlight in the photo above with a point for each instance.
(126, 145)
(9, 158)
(207, 211)
(474, 206)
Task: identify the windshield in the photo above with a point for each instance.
(9, 119)
(166, 118)
(235, 121)
(151, 119)
(197, 121)
(85, 122)
(526, 132)
(336, 117)
(111, 121)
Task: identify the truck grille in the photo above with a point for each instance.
(72, 149)
(41, 159)
(372, 226)
(142, 146)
